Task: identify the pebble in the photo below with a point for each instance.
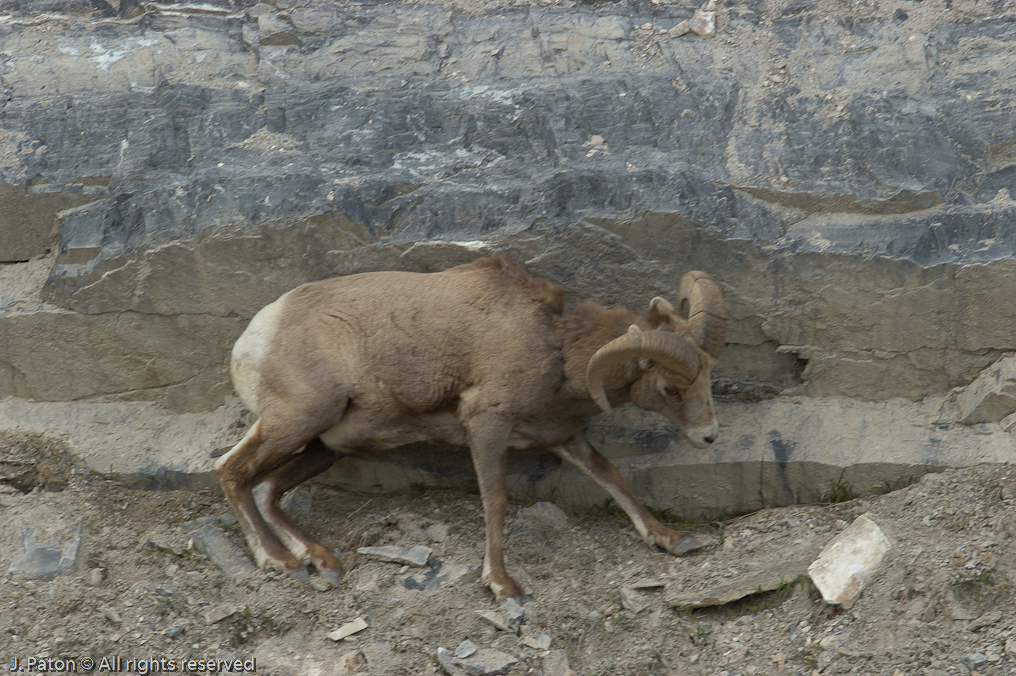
(320, 584)
(218, 613)
(974, 660)
(96, 576)
(437, 532)
(111, 614)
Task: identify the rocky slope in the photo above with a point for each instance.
(843, 169)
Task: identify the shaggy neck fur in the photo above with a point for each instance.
(584, 331)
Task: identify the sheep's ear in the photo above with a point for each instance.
(660, 312)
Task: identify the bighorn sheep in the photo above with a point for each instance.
(481, 356)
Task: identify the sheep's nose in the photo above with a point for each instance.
(709, 439)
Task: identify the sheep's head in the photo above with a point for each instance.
(676, 355)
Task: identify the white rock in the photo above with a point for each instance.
(703, 23)
(348, 629)
(848, 562)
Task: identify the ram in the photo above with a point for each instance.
(480, 356)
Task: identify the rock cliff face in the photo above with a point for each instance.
(844, 170)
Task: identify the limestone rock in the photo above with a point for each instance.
(991, 396)
(848, 562)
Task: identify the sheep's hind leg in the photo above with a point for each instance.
(578, 452)
(488, 446)
(261, 450)
(314, 460)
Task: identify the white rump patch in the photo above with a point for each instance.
(251, 349)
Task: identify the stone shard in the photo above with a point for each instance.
(348, 629)
(483, 662)
(847, 563)
(540, 642)
(682, 28)
(632, 600)
(418, 555)
(991, 397)
(508, 617)
(755, 583)
(218, 613)
(230, 559)
(499, 620)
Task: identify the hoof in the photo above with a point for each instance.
(685, 545)
(300, 575)
(333, 576)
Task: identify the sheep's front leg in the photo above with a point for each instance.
(489, 447)
(578, 452)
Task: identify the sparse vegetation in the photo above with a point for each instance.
(840, 490)
(247, 625)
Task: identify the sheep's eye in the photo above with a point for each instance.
(671, 391)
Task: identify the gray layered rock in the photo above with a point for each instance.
(846, 174)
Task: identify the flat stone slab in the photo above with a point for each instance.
(441, 574)
(230, 559)
(755, 583)
(417, 555)
(483, 662)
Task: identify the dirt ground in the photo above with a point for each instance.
(941, 603)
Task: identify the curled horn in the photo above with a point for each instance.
(700, 298)
(669, 350)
